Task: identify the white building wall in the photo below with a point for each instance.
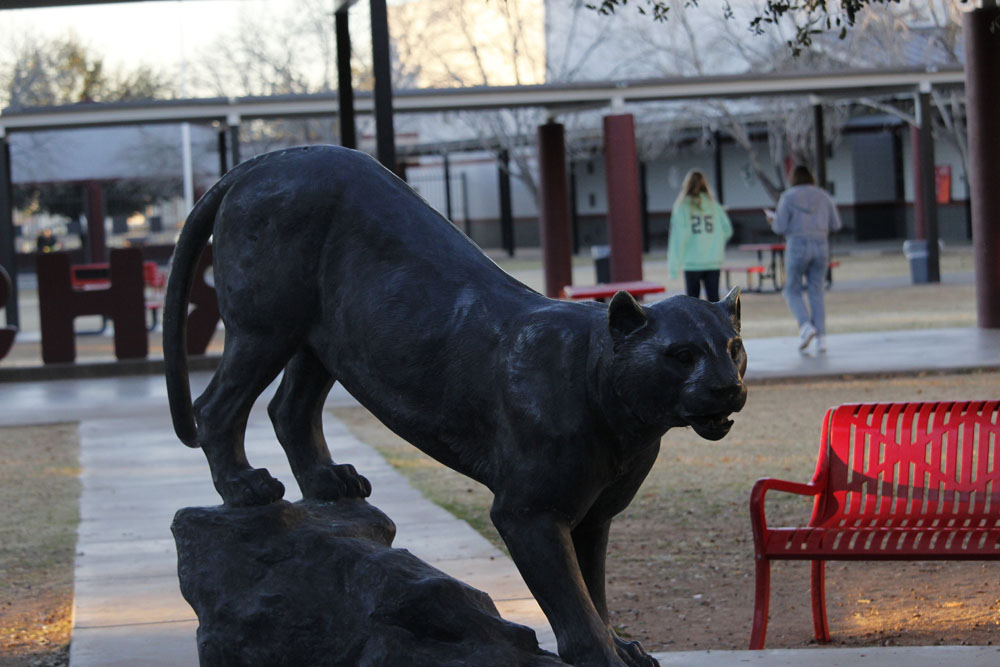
(838, 173)
(481, 174)
(591, 187)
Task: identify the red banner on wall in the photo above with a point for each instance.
(942, 183)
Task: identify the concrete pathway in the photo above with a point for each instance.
(874, 353)
(136, 475)
(128, 609)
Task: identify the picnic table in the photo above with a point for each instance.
(601, 291)
(773, 268)
(97, 276)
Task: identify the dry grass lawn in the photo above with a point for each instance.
(39, 494)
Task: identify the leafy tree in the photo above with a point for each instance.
(254, 59)
(808, 18)
(705, 40)
(65, 199)
(64, 71)
(69, 200)
(467, 43)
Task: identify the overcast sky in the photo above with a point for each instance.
(125, 33)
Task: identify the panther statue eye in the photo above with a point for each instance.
(735, 350)
(682, 355)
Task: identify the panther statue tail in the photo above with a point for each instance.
(193, 239)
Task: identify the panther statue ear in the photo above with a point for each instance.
(731, 304)
(625, 315)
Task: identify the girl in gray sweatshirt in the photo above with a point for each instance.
(805, 217)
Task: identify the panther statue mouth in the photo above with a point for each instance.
(711, 427)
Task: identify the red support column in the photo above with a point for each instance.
(982, 71)
(621, 163)
(553, 186)
(95, 222)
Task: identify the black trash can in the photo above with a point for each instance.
(916, 253)
(602, 262)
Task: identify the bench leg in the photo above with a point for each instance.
(818, 587)
(762, 595)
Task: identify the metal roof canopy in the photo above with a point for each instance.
(554, 97)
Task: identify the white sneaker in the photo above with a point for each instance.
(806, 334)
(821, 343)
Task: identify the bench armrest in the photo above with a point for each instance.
(757, 519)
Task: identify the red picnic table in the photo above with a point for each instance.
(774, 268)
(601, 291)
(86, 277)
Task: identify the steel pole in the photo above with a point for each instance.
(385, 136)
(8, 251)
(927, 186)
(506, 209)
(819, 139)
(345, 85)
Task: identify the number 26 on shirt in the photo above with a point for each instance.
(701, 223)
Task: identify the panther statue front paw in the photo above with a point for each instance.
(333, 482)
(632, 653)
(249, 488)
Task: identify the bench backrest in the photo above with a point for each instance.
(910, 464)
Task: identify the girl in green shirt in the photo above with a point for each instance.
(699, 229)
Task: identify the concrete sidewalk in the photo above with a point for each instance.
(128, 609)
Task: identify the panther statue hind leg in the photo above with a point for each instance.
(297, 414)
(249, 363)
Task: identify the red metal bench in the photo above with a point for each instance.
(636, 288)
(894, 481)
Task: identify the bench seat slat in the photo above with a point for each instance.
(888, 543)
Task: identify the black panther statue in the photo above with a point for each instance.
(331, 268)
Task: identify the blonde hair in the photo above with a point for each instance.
(695, 184)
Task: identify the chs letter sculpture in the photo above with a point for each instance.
(331, 268)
